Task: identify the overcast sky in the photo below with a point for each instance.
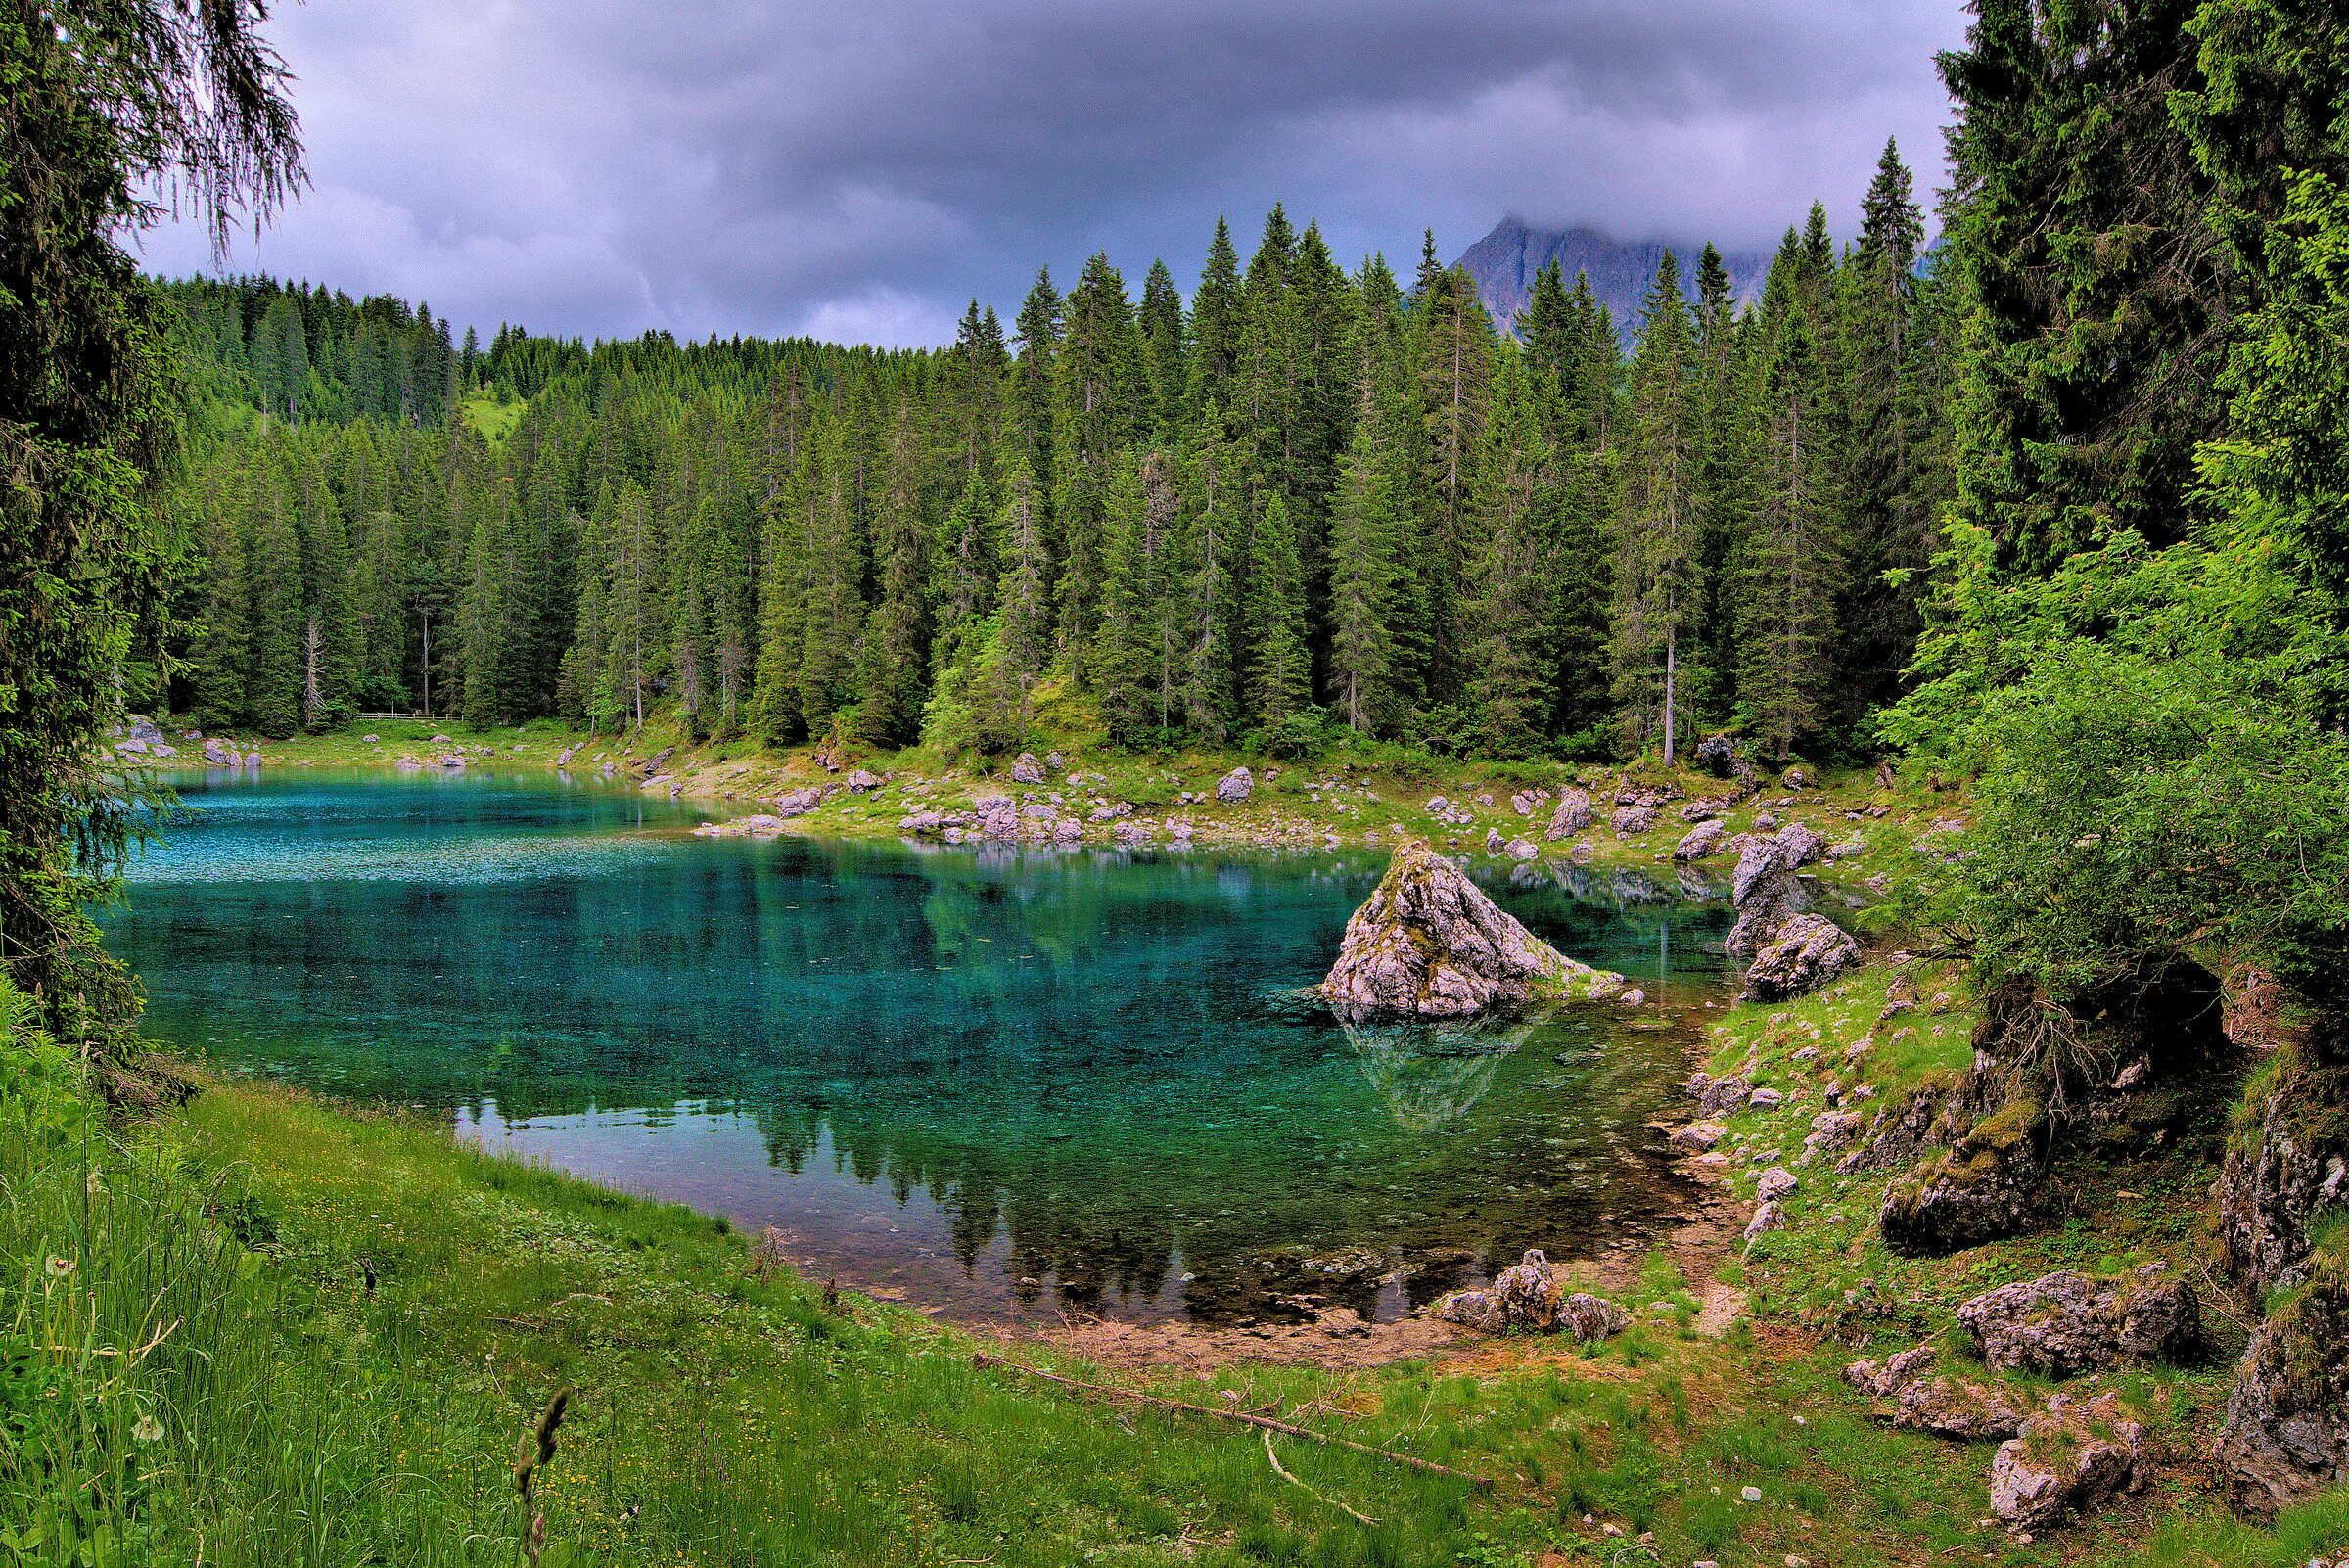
(859, 168)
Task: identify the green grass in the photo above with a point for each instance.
(495, 420)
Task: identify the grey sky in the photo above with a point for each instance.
(859, 169)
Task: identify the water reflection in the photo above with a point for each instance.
(995, 1079)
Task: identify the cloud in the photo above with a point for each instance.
(859, 170)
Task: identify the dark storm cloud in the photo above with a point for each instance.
(858, 170)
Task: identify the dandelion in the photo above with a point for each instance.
(149, 1429)
(59, 1268)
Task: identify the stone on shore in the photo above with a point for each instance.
(1428, 942)
(2066, 1323)
(1807, 951)
(1572, 815)
(1236, 785)
(1700, 841)
(1026, 770)
(1765, 890)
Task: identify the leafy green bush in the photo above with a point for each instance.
(2134, 810)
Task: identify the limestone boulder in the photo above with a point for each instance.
(1236, 785)
(1806, 952)
(2286, 1433)
(2066, 1323)
(1701, 841)
(1428, 942)
(1765, 888)
(1572, 815)
(2068, 1460)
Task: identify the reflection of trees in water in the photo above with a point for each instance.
(1069, 1050)
(1432, 1074)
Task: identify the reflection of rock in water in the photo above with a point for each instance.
(1431, 1075)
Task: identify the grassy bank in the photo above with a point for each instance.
(1351, 796)
(269, 1329)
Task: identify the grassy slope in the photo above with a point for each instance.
(727, 1418)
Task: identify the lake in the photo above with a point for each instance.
(996, 1082)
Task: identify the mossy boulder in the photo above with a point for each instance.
(2287, 1436)
(1429, 943)
(2286, 1166)
(1982, 1188)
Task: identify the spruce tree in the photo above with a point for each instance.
(1280, 665)
(1794, 555)
(1658, 531)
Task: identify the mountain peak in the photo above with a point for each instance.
(1505, 260)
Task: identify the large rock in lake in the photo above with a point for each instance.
(1428, 942)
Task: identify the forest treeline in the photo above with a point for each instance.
(1303, 499)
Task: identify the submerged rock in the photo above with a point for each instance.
(1807, 951)
(741, 827)
(1429, 943)
(2066, 1323)
(2068, 1460)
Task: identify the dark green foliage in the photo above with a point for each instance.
(99, 104)
(1307, 493)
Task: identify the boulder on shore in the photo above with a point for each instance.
(1527, 1295)
(1572, 815)
(2066, 1323)
(1807, 951)
(1236, 785)
(1026, 770)
(1700, 841)
(1428, 942)
(1765, 890)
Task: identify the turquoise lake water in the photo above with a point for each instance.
(997, 1084)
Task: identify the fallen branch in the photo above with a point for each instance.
(1281, 1471)
(1246, 1418)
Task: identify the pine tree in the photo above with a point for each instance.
(1658, 532)
(1794, 558)
(1015, 660)
(1512, 689)
(1892, 483)
(1163, 351)
(1368, 567)
(1454, 342)
(1215, 324)
(894, 675)
(1279, 665)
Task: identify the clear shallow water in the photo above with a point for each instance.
(997, 1083)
